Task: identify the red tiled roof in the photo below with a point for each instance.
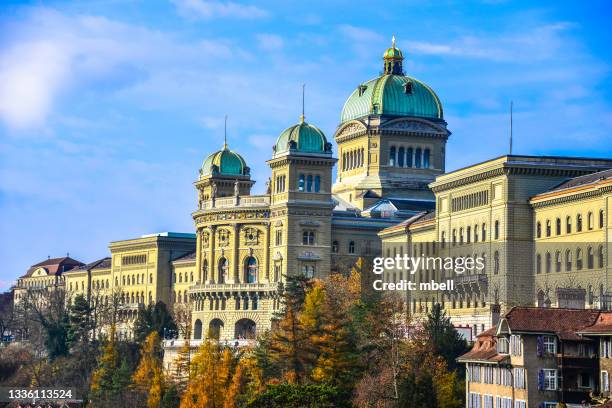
(55, 266)
(484, 349)
(602, 325)
(563, 322)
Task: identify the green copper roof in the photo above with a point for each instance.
(304, 137)
(225, 162)
(387, 95)
(392, 93)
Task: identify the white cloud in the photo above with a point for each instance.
(535, 44)
(30, 75)
(359, 34)
(270, 42)
(206, 10)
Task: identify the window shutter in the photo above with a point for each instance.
(541, 380)
(540, 346)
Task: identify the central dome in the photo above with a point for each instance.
(393, 94)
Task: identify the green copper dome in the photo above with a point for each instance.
(225, 162)
(393, 94)
(302, 137)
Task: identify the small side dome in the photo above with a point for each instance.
(225, 162)
(302, 137)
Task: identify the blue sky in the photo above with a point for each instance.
(108, 108)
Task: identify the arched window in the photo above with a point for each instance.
(539, 230)
(484, 232)
(179, 297)
(538, 263)
(400, 157)
(223, 270)
(558, 226)
(180, 277)
(475, 232)
(454, 236)
(317, 183)
(496, 262)
(578, 259)
(409, 155)
(496, 229)
(443, 239)
(205, 269)
(568, 260)
(309, 183)
(548, 228)
(335, 247)
(426, 158)
(392, 156)
(344, 161)
(579, 223)
(601, 218)
(417, 158)
(558, 261)
(301, 182)
(468, 234)
(250, 270)
(568, 225)
(351, 248)
(590, 258)
(548, 263)
(197, 330)
(600, 256)
(590, 222)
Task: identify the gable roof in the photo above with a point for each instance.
(54, 266)
(104, 263)
(562, 322)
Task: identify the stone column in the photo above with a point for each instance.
(199, 255)
(267, 250)
(212, 242)
(236, 263)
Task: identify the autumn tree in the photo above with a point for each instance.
(212, 370)
(182, 316)
(148, 377)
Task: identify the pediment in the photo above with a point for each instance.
(414, 125)
(354, 126)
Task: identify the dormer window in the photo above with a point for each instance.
(408, 88)
(503, 345)
(362, 89)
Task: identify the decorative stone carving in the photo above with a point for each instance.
(351, 128)
(411, 125)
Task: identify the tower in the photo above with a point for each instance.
(300, 203)
(391, 138)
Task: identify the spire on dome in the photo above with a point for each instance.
(225, 134)
(302, 117)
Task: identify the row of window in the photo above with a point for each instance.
(179, 277)
(467, 234)
(470, 201)
(569, 263)
(134, 259)
(353, 159)
(280, 183)
(409, 157)
(488, 374)
(249, 271)
(568, 224)
(475, 400)
(309, 183)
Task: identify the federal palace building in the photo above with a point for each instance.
(542, 223)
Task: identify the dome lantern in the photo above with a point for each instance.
(393, 59)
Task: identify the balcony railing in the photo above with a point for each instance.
(235, 287)
(240, 201)
(177, 343)
(468, 279)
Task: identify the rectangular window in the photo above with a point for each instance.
(474, 400)
(488, 375)
(605, 381)
(308, 238)
(520, 404)
(487, 401)
(550, 379)
(505, 377)
(502, 345)
(473, 373)
(516, 346)
(519, 377)
(605, 349)
(549, 404)
(550, 344)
